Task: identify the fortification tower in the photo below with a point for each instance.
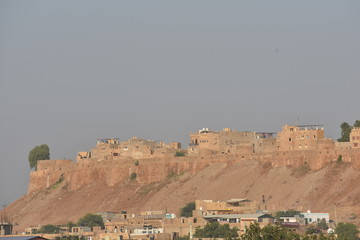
(355, 137)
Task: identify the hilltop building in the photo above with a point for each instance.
(135, 148)
(230, 142)
(292, 138)
(300, 137)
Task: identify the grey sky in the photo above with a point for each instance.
(75, 71)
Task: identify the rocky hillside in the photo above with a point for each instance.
(283, 187)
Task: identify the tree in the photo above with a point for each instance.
(322, 225)
(41, 152)
(357, 123)
(286, 213)
(90, 220)
(50, 229)
(346, 231)
(269, 232)
(253, 232)
(70, 225)
(216, 230)
(186, 237)
(345, 132)
(312, 230)
(187, 210)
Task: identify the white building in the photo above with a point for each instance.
(315, 217)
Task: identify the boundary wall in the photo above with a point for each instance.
(86, 171)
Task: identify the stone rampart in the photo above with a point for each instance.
(54, 164)
(112, 172)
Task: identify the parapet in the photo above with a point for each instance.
(54, 164)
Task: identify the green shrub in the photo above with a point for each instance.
(50, 229)
(346, 231)
(217, 230)
(58, 182)
(186, 237)
(352, 216)
(339, 159)
(187, 210)
(179, 154)
(133, 176)
(286, 213)
(90, 220)
(136, 163)
(322, 225)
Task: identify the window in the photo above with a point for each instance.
(289, 139)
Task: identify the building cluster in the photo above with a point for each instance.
(291, 138)
(135, 148)
(230, 142)
(239, 213)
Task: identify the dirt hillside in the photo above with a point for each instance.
(333, 187)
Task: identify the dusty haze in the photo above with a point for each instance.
(72, 72)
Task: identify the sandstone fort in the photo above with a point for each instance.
(146, 161)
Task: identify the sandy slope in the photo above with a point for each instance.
(284, 188)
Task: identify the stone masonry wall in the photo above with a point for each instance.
(113, 172)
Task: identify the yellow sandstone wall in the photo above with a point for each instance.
(112, 172)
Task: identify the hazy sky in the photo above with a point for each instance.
(75, 71)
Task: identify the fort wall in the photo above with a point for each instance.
(151, 170)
